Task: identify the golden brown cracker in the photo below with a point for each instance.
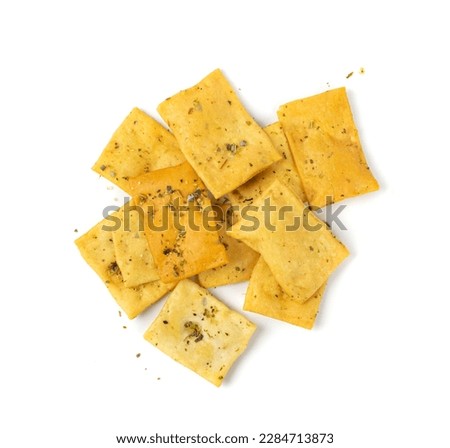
(239, 268)
(218, 137)
(298, 247)
(326, 147)
(131, 249)
(181, 229)
(97, 248)
(265, 296)
(138, 146)
(200, 332)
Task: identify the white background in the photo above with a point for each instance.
(374, 371)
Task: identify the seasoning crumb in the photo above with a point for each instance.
(362, 70)
(349, 75)
(113, 269)
(165, 322)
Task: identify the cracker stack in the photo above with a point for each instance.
(217, 200)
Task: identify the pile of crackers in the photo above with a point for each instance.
(217, 200)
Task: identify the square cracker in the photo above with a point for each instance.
(326, 147)
(298, 247)
(97, 248)
(181, 241)
(239, 268)
(265, 296)
(217, 135)
(138, 146)
(131, 248)
(283, 170)
(200, 332)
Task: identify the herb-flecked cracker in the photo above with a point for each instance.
(283, 170)
(239, 268)
(298, 247)
(217, 135)
(265, 296)
(131, 248)
(97, 248)
(326, 147)
(182, 241)
(138, 146)
(200, 332)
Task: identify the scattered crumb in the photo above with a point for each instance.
(138, 355)
(362, 70)
(109, 187)
(124, 327)
(120, 313)
(76, 230)
(349, 75)
(158, 378)
(116, 199)
(328, 84)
